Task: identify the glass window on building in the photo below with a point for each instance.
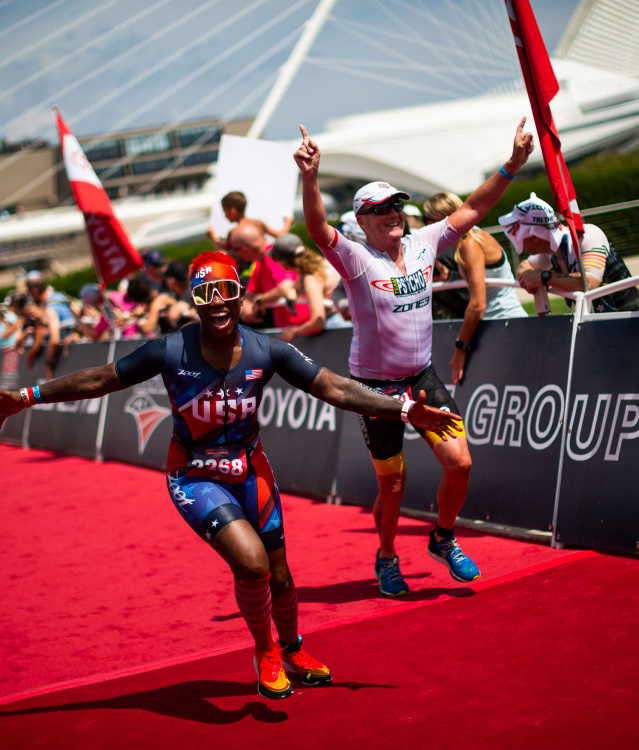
(103, 150)
(108, 173)
(188, 136)
(201, 157)
(151, 165)
(148, 144)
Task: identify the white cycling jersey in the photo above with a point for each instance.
(392, 313)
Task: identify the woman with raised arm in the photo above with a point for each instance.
(389, 283)
(479, 257)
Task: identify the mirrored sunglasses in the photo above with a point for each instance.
(381, 209)
(226, 289)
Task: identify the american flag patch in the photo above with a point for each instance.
(253, 374)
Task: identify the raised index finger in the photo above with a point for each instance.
(304, 132)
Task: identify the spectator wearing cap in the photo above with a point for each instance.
(55, 323)
(350, 228)
(269, 282)
(105, 314)
(155, 265)
(176, 280)
(479, 257)
(152, 307)
(534, 226)
(315, 282)
(182, 311)
(414, 218)
(389, 283)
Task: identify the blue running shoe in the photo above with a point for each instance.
(390, 579)
(448, 553)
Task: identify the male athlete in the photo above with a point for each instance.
(217, 473)
(388, 281)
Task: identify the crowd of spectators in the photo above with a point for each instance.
(288, 286)
(42, 321)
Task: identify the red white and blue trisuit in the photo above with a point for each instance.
(217, 470)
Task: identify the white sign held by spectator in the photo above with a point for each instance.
(264, 171)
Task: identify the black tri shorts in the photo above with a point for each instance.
(384, 437)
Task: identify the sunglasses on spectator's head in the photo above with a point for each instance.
(226, 289)
(381, 209)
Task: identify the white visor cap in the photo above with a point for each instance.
(532, 218)
(374, 193)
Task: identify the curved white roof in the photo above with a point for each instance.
(454, 145)
(448, 145)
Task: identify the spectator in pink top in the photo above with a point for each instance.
(269, 283)
(115, 314)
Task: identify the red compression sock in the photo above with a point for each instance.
(254, 601)
(285, 615)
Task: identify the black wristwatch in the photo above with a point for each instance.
(459, 344)
(545, 277)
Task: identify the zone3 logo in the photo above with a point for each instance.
(407, 306)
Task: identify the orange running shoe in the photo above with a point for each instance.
(272, 682)
(297, 660)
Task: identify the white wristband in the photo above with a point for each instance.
(404, 414)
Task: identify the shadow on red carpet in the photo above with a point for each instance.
(109, 592)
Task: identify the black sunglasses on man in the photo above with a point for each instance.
(381, 209)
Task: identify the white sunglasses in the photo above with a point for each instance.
(226, 289)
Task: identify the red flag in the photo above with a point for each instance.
(542, 86)
(113, 254)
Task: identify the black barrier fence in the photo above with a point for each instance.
(551, 409)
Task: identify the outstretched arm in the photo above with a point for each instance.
(352, 396)
(288, 223)
(89, 383)
(307, 158)
(479, 202)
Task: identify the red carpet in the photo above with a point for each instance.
(100, 577)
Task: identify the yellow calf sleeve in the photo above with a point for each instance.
(385, 466)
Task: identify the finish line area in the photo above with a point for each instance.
(121, 628)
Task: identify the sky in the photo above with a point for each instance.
(119, 64)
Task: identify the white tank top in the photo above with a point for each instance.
(502, 301)
(392, 313)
